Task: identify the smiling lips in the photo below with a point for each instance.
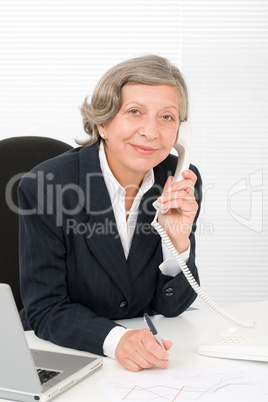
(142, 150)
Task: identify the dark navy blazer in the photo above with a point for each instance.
(75, 279)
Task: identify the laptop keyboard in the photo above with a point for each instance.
(46, 375)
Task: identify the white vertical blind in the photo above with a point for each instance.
(224, 57)
(53, 52)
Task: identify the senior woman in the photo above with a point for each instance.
(88, 254)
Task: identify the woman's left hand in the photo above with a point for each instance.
(178, 198)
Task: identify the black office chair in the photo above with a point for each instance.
(18, 155)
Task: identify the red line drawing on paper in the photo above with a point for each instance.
(197, 392)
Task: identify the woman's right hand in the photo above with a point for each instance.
(138, 350)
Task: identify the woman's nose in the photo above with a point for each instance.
(149, 129)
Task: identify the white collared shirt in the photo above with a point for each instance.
(117, 194)
(126, 229)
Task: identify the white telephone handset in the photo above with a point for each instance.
(183, 147)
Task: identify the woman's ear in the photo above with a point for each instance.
(100, 128)
(101, 131)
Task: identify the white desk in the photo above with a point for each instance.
(186, 332)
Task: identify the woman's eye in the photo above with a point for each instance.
(134, 111)
(167, 117)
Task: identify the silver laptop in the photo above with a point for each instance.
(34, 375)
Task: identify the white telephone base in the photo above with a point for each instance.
(237, 343)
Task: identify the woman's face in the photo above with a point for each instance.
(144, 130)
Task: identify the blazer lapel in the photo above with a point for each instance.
(102, 238)
(146, 239)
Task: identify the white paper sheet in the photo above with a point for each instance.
(230, 382)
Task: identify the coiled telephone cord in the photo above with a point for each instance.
(192, 280)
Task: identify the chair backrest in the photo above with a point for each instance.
(18, 155)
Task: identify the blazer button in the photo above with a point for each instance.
(123, 303)
(168, 290)
(169, 294)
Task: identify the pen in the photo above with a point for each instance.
(153, 329)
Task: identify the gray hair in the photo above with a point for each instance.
(106, 98)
